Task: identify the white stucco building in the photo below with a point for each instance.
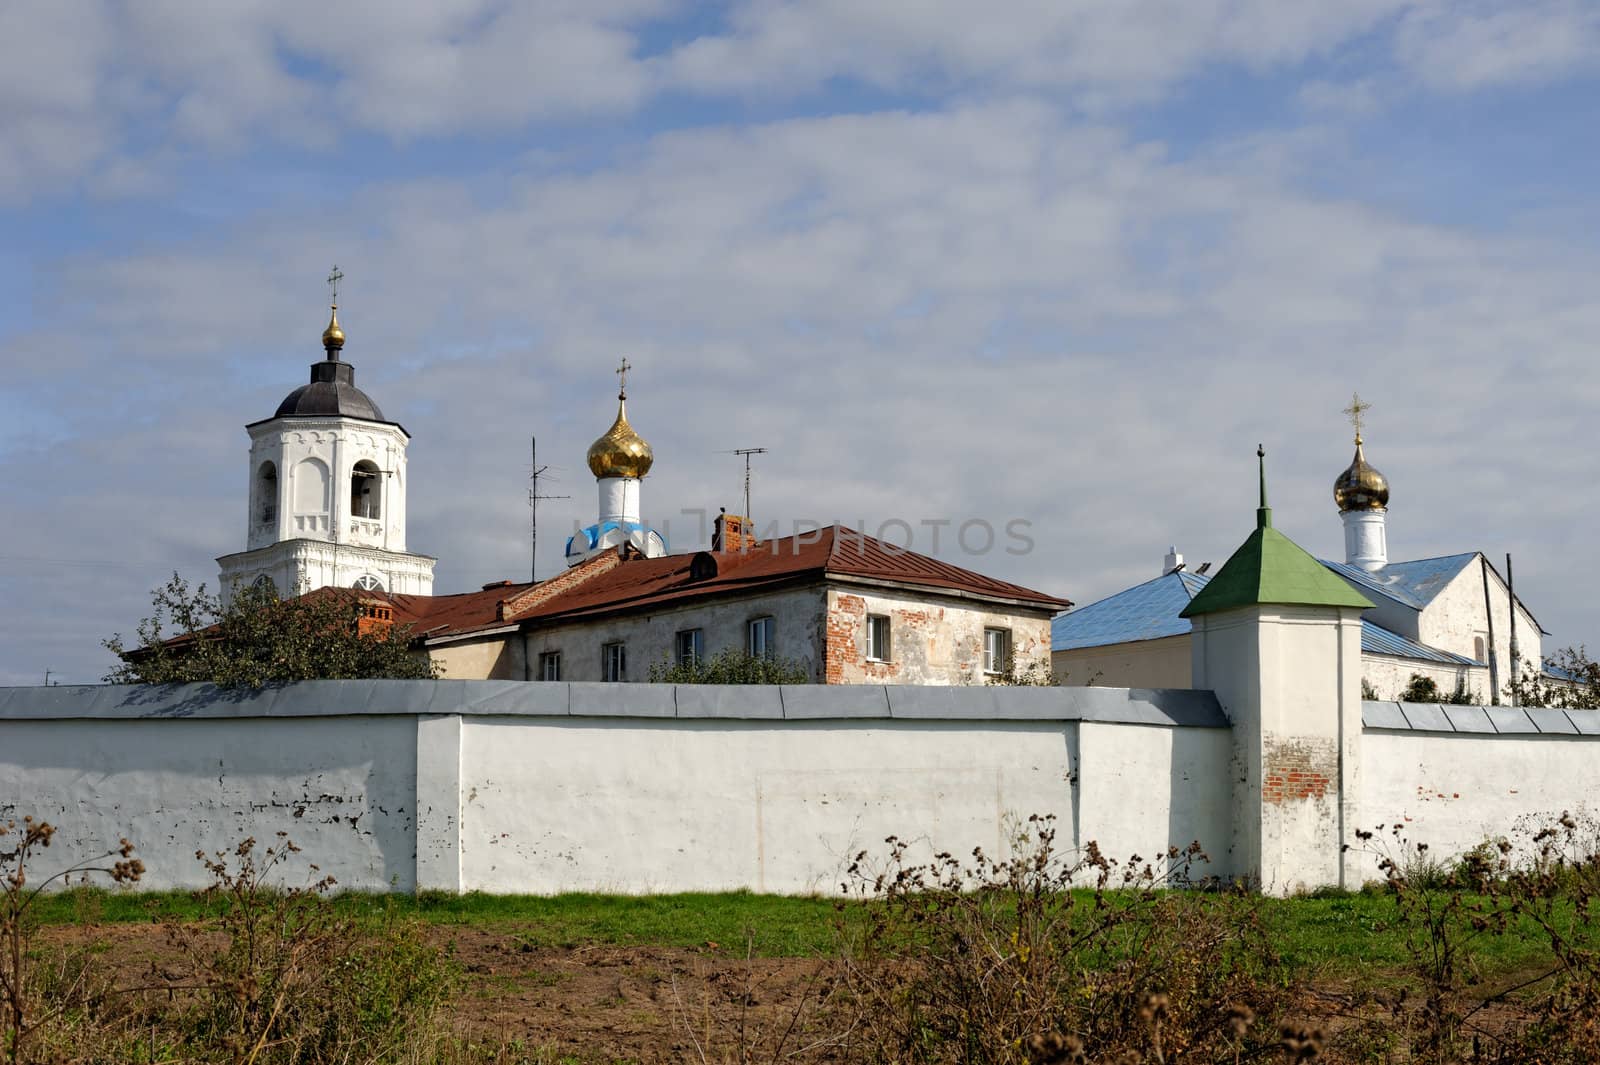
(327, 491)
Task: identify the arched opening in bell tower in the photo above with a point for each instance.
(266, 502)
(366, 491)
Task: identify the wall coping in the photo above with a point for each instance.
(1167, 708)
(1386, 716)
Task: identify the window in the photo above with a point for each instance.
(996, 650)
(614, 662)
(550, 665)
(265, 583)
(691, 646)
(759, 641)
(365, 491)
(267, 494)
(368, 583)
(878, 637)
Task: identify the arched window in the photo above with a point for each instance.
(1478, 648)
(266, 494)
(310, 487)
(365, 491)
(368, 583)
(265, 583)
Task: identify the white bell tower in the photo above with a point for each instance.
(327, 498)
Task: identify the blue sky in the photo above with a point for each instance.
(1065, 262)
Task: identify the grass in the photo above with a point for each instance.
(1339, 936)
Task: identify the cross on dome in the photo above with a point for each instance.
(1355, 410)
(622, 378)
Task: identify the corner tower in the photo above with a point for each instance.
(327, 489)
(1362, 494)
(619, 461)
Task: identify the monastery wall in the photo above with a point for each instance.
(1456, 776)
(517, 787)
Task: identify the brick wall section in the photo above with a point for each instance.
(1295, 772)
(523, 602)
(843, 622)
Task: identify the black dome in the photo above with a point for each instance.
(332, 391)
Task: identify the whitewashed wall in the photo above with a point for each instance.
(516, 787)
(1458, 776)
(343, 788)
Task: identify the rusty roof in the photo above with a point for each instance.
(832, 553)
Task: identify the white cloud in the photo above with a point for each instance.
(1459, 45)
(988, 311)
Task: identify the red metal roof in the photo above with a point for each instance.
(640, 583)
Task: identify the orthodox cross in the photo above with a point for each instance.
(622, 378)
(1355, 410)
(334, 278)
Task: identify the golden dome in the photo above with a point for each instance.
(333, 336)
(1361, 487)
(620, 452)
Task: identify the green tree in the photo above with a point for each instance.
(732, 667)
(1573, 682)
(258, 638)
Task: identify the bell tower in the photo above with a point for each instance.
(327, 489)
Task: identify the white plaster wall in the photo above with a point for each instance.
(1162, 663)
(934, 640)
(1390, 676)
(344, 789)
(650, 638)
(1456, 616)
(1183, 791)
(1454, 791)
(640, 806)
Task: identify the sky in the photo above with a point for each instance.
(1048, 261)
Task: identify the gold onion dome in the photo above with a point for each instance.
(620, 452)
(333, 336)
(1361, 487)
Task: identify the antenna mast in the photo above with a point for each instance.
(747, 452)
(533, 508)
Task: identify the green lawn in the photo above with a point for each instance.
(1356, 936)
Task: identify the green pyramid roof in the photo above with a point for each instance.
(1271, 568)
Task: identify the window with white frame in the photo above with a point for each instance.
(550, 665)
(878, 637)
(690, 647)
(614, 662)
(759, 641)
(996, 650)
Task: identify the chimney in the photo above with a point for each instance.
(729, 534)
(1172, 562)
(375, 617)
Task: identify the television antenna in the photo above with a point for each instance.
(750, 522)
(533, 508)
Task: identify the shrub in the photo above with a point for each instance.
(1004, 960)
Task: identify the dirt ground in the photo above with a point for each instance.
(651, 1004)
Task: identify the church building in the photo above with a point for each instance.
(1451, 619)
(327, 490)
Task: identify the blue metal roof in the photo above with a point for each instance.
(1149, 611)
(1377, 640)
(1412, 583)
